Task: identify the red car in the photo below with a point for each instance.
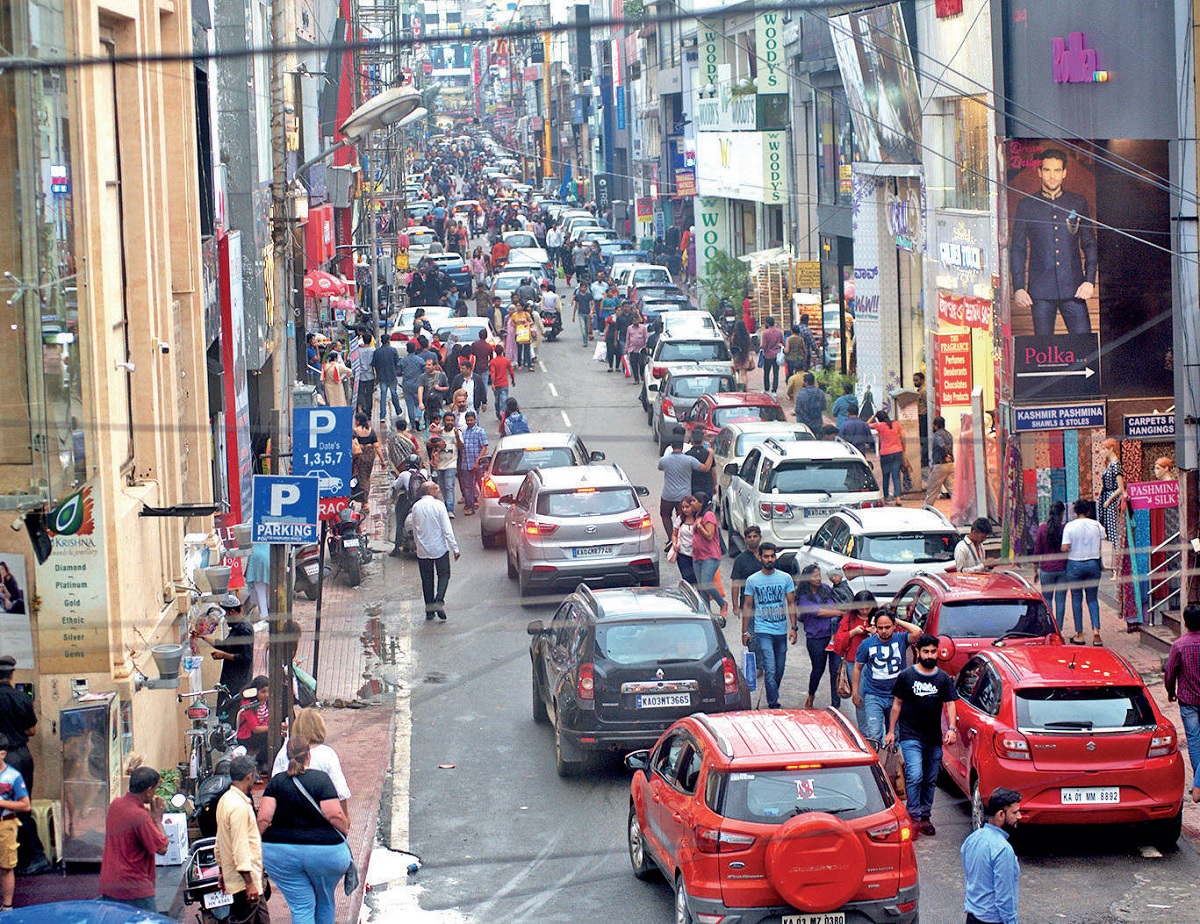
(1075, 731)
(976, 611)
(771, 815)
(720, 410)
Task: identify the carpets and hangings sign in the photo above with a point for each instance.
(953, 369)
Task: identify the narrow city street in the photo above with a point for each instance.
(502, 839)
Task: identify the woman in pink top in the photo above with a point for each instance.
(706, 552)
(891, 452)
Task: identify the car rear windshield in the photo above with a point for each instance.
(835, 476)
(908, 548)
(994, 618)
(656, 642)
(587, 502)
(1082, 709)
(645, 276)
(771, 797)
(693, 386)
(723, 416)
(466, 333)
(520, 461)
(520, 240)
(748, 441)
(686, 351)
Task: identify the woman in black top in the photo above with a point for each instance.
(303, 833)
(366, 450)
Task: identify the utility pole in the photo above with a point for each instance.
(547, 161)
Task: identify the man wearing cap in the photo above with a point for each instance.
(969, 554)
(18, 723)
(237, 653)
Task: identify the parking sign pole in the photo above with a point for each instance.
(316, 659)
(280, 609)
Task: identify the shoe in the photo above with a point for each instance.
(428, 615)
(441, 614)
(395, 553)
(1076, 639)
(451, 514)
(925, 826)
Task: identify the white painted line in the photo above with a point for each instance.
(566, 419)
(553, 390)
(402, 739)
(541, 365)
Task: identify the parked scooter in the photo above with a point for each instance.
(308, 570)
(202, 883)
(348, 549)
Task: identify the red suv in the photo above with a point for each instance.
(1075, 732)
(969, 612)
(758, 816)
(720, 410)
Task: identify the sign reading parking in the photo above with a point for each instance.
(321, 444)
(285, 509)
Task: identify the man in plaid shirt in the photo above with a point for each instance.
(1182, 680)
(473, 443)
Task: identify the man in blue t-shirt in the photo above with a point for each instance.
(769, 618)
(14, 797)
(879, 661)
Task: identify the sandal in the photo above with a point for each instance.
(1077, 639)
(1096, 640)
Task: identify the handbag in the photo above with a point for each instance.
(350, 877)
(843, 685)
(780, 358)
(762, 359)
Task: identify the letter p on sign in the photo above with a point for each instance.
(320, 423)
(282, 495)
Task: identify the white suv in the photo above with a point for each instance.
(788, 489)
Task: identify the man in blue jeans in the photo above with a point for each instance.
(769, 618)
(878, 663)
(919, 695)
(1182, 680)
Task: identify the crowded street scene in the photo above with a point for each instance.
(720, 463)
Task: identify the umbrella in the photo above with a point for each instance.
(319, 284)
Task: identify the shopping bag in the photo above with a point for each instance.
(601, 354)
(625, 366)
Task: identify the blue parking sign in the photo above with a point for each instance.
(321, 446)
(285, 509)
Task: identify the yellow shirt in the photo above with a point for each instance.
(239, 845)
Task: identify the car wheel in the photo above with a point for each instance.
(1165, 834)
(978, 819)
(512, 569)
(540, 715)
(489, 540)
(562, 764)
(683, 914)
(639, 859)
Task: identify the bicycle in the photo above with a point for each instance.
(205, 738)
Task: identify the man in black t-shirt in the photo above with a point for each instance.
(919, 695)
(747, 563)
(702, 481)
(18, 723)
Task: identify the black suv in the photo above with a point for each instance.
(615, 668)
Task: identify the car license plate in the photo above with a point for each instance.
(592, 551)
(351, 543)
(660, 700)
(818, 512)
(1090, 795)
(833, 917)
(217, 900)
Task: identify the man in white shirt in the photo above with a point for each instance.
(434, 538)
(968, 554)
(554, 242)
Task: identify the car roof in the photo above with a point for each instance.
(578, 476)
(983, 585)
(741, 399)
(811, 449)
(782, 427)
(642, 266)
(692, 336)
(636, 603)
(787, 736)
(1056, 665)
(526, 440)
(894, 519)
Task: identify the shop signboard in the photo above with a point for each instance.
(742, 165)
(713, 230)
(603, 183)
(1153, 495)
(952, 373)
(321, 447)
(645, 208)
(239, 457)
(285, 509)
(768, 46)
(1148, 427)
(685, 181)
(964, 311)
(806, 274)
(1058, 417)
(1058, 366)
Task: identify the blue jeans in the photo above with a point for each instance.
(525, 354)
(820, 658)
(1191, 728)
(878, 709)
(706, 572)
(392, 390)
(414, 412)
(1084, 578)
(445, 479)
(1054, 592)
(890, 464)
(500, 392)
(307, 875)
(921, 763)
(773, 651)
(585, 328)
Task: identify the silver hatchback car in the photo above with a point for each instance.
(515, 457)
(581, 524)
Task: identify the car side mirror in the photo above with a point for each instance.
(507, 500)
(638, 760)
(731, 468)
(596, 457)
(946, 648)
(642, 490)
(536, 627)
(652, 386)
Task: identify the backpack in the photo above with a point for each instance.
(416, 485)
(515, 423)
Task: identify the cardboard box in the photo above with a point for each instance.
(175, 825)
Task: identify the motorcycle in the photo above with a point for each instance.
(202, 883)
(728, 315)
(210, 740)
(308, 570)
(551, 324)
(348, 549)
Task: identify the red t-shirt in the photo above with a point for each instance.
(131, 841)
(501, 368)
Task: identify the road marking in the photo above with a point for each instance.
(566, 419)
(553, 390)
(541, 365)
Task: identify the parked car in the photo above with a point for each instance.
(716, 411)
(734, 443)
(1076, 732)
(403, 327)
(675, 351)
(879, 549)
(630, 276)
(678, 388)
(589, 234)
(972, 612)
(662, 290)
(585, 523)
(420, 239)
(524, 248)
(615, 667)
(510, 461)
(458, 271)
(686, 321)
(770, 816)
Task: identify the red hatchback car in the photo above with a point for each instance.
(972, 612)
(778, 815)
(721, 410)
(1073, 730)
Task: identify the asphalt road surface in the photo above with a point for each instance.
(503, 839)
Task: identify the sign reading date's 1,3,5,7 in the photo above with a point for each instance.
(321, 445)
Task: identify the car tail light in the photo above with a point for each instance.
(1012, 745)
(851, 570)
(668, 407)
(489, 487)
(865, 505)
(536, 528)
(892, 832)
(906, 907)
(642, 522)
(781, 511)
(585, 686)
(714, 840)
(1164, 742)
(729, 672)
(658, 371)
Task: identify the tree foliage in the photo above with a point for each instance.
(726, 277)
